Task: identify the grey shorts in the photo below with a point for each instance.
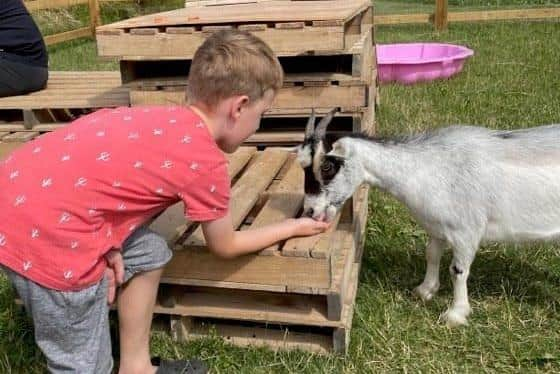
(72, 328)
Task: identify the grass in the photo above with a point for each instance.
(511, 82)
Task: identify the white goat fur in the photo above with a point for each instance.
(464, 185)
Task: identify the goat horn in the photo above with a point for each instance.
(310, 127)
(321, 129)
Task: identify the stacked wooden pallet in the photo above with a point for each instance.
(325, 48)
(299, 293)
(68, 95)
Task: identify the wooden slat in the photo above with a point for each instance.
(342, 260)
(283, 203)
(275, 339)
(263, 270)
(513, 14)
(73, 90)
(272, 11)
(68, 35)
(144, 31)
(3, 133)
(308, 246)
(284, 42)
(33, 5)
(20, 136)
(395, 19)
(246, 191)
(309, 96)
(251, 306)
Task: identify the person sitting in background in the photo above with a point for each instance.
(23, 54)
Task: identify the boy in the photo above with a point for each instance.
(73, 203)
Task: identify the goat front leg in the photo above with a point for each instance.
(460, 268)
(430, 286)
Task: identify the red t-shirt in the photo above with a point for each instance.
(70, 196)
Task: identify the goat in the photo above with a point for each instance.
(464, 185)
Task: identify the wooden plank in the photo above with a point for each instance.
(289, 42)
(20, 137)
(284, 202)
(488, 15)
(266, 270)
(309, 96)
(144, 31)
(307, 246)
(253, 27)
(33, 5)
(68, 35)
(342, 260)
(231, 285)
(289, 25)
(395, 19)
(246, 191)
(4, 133)
(513, 14)
(254, 306)
(275, 339)
(341, 336)
(271, 11)
(440, 16)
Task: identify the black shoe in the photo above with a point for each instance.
(179, 366)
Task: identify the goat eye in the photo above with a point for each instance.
(327, 167)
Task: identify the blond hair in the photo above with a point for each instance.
(233, 62)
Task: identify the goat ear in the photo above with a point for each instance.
(310, 127)
(321, 129)
(339, 150)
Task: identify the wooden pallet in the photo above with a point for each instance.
(289, 28)
(303, 332)
(268, 187)
(73, 89)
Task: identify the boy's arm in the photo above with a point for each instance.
(225, 242)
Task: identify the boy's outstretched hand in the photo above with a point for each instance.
(306, 226)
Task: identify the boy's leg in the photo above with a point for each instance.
(144, 255)
(71, 328)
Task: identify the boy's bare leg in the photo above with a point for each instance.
(136, 305)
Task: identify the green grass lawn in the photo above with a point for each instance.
(512, 81)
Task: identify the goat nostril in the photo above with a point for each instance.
(308, 213)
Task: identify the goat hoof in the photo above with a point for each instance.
(457, 316)
(426, 293)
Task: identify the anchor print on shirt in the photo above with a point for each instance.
(65, 158)
(36, 149)
(74, 244)
(19, 200)
(64, 217)
(186, 139)
(70, 137)
(46, 182)
(34, 233)
(2, 240)
(133, 135)
(104, 156)
(81, 182)
(158, 132)
(26, 265)
(138, 164)
(68, 274)
(167, 164)
(14, 174)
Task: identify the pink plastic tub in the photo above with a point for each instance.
(409, 63)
